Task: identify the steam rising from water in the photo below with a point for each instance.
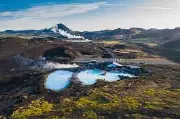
(39, 64)
(51, 65)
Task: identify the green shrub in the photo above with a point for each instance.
(109, 107)
(137, 116)
(35, 108)
(86, 103)
(130, 103)
(54, 117)
(67, 110)
(103, 97)
(89, 115)
(149, 92)
(149, 105)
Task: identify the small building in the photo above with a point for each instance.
(133, 67)
(114, 65)
(93, 61)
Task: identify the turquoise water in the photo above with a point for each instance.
(89, 77)
(58, 80)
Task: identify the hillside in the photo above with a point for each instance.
(146, 85)
(152, 96)
(61, 31)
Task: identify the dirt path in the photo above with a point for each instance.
(156, 61)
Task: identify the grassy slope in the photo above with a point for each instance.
(149, 96)
(171, 50)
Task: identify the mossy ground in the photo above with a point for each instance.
(35, 108)
(146, 97)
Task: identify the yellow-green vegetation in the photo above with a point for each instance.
(109, 99)
(130, 103)
(110, 42)
(141, 54)
(55, 117)
(150, 99)
(35, 108)
(85, 103)
(100, 100)
(89, 115)
(66, 110)
(152, 44)
(160, 99)
(149, 92)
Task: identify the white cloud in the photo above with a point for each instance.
(39, 17)
(155, 8)
(95, 16)
(53, 11)
(115, 5)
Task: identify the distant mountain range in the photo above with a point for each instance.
(61, 31)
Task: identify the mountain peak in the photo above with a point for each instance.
(62, 30)
(63, 27)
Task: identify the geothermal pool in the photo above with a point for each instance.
(89, 77)
(60, 79)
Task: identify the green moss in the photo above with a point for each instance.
(63, 118)
(54, 117)
(67, 101)
(99, 97)
(103, 97)
(160, 99)
(89, 115)
(84, 102)
(150, 92)
(66, 110)
(137, 116)
(109, 107)
(35, 108)
(130, 103)
(107, 100)
(168, 93)
(149, 105)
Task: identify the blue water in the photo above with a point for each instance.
(58, 80)
(89, 77)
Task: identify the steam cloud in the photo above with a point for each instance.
(65, 33)
(39, 64)
(51, 65)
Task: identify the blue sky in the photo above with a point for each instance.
(89, 15)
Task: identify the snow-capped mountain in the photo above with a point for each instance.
(62, 30)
